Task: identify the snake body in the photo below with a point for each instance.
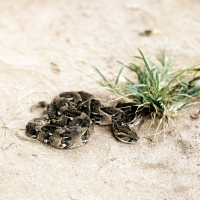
(68, 121)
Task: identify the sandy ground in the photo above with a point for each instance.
(43, 43)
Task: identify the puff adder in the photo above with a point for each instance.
(68, 121)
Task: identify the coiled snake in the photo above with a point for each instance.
(68, 121)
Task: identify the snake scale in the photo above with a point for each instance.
(68, 121)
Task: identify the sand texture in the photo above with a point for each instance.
(46, 48)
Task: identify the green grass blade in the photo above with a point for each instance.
(148, 69)
(102, 76)
(157, 83)
(105, 82)
(138, 71)
(195, 90)
(119, 73)
(194, 79)
(167, 87)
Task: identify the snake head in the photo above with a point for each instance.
(124, 133)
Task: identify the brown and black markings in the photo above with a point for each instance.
(68, 121)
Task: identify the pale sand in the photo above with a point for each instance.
(42, 46)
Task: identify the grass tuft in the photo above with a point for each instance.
(156, 86)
